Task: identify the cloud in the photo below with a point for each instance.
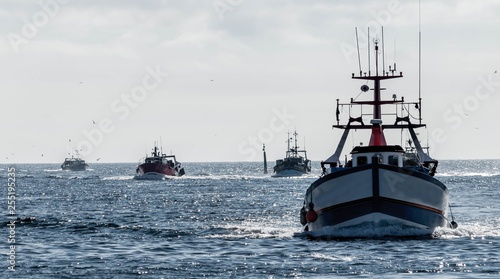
(262, 55)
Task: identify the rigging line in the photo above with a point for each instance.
(358, 95)
(359, 58)
(410, 114)
(452, 218)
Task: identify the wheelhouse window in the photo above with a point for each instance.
(361, 160)
(393, 160)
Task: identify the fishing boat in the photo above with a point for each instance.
(74, 164)
(381, 185)
(295, 162)
(158, 166)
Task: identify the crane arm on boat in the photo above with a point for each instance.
(335, 158)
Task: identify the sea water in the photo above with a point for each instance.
(225, 220)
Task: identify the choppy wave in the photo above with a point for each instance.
(55, 176)
(226, 220)
(72, 176)
(468, 174)
(203, 176)
(471, 230)
(119, 177)
(251, 230)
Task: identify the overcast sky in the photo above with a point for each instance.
(214, 80)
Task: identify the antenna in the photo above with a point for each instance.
(394, 56)
(359, 58)
(369, 74)
(161, 146)
(375, 41)
(419, 66)
(383, 53)
(295, 137)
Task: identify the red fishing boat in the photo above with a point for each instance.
(158, 166)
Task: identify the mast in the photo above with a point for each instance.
(377, 114)
(419, 66)
(288, 141)
(296, 147)
(377, 102)
(265, 159)
(377, 137)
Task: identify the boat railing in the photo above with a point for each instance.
(357, 110)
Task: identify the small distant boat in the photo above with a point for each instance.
(74, 164)
(158, 166)
(295, 162)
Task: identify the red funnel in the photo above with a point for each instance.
(377, 138)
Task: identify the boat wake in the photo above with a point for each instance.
(395, 231)
(251, 230)
(369, 230)
(119, 177)
(52, 170)
(472, 231)
(468, 174)
(224, 177)
(201, 176)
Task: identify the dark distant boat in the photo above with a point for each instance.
(74, 164)
(158, 166)
(381, 185)
(295, 162)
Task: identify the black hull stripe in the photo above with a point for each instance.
(419, 214)
(345, 204)
(382, 199)
(425, 207)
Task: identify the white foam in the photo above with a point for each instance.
(121, 177)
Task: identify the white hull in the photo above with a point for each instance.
(378, 195)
